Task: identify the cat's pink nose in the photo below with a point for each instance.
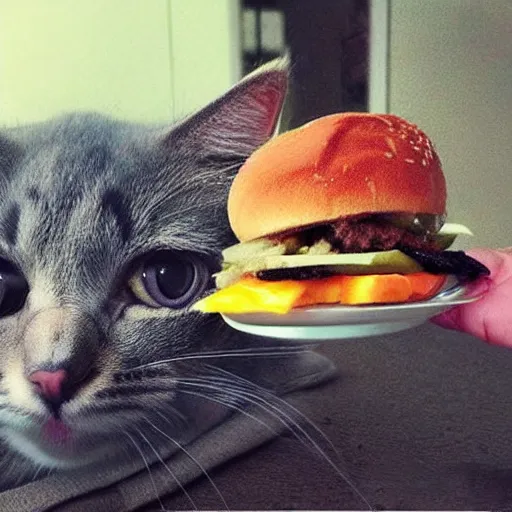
(50, 385)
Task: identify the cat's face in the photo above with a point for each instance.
(108, 232)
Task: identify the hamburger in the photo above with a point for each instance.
(348, 209)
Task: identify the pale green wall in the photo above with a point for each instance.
(206, 50)
(451, 72)
(143, 60)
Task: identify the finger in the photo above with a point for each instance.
(489, 318)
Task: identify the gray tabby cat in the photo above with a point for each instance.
(108, 232)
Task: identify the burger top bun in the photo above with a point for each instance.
(335, 166)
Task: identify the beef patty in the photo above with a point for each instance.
(365, 235)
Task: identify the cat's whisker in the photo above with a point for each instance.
(37, 471)
(228, 386)
(22, 477)
(249, 352)
(129, 456)
(251, 386)
(168, 469)
(254, 391)
(178, 419)
(230, 376)
(9, 470)
(139, 449)
(246, 397)
(189, 455)
(228, 401)
(120, 406)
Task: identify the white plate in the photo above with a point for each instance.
(345, 322)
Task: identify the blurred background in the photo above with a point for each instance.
(443, 64)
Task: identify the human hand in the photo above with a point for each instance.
(489, 318)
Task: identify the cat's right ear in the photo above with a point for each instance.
(236, 124)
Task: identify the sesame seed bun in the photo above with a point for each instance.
(333, 167)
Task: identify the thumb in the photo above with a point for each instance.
(489, 318)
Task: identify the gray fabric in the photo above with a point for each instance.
(422, 420)
(126, 488)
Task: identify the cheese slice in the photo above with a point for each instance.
(251, 295)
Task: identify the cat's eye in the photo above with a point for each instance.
(170, 279)
(13, 289)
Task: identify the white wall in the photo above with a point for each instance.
(143, 60)
(451, 73)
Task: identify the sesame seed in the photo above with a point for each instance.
(391, 144)
(424, 163)
(409, 161)
(388, 154)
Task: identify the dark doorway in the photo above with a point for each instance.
(328, 44)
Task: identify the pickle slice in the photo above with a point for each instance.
(369, 262)
(445, 237)
(384, 262)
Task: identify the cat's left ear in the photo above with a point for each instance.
(236, 124)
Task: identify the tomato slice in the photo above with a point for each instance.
(425, 285)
